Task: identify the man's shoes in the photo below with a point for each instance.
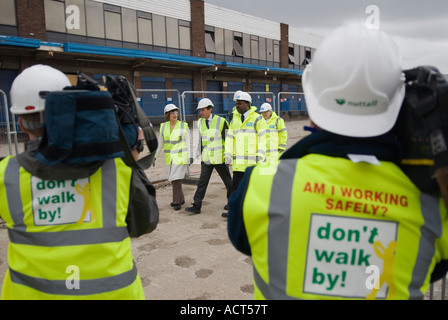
(193, 209)
(175, 204)
(226, 207)
(224, 214)
(177, 207)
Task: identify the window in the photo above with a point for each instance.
(184, 35)
(238, 46)
(112, 15)
(95, 19)
(8, 12)
(129, 20)
(308, 53)
(254, 48)
(159, 29)
(144, 22)
(210, 42)
(55, 16)
(292, 59)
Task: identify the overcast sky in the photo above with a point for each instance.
(419, 27)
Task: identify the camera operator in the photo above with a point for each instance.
(45, 244)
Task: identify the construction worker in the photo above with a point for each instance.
(212, 133)
(276, 134)
(339, 219)
(245, 143)
(174, 140)
(53, 254)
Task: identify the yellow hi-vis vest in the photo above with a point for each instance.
(68, 238)
(245, 142)
(328, 228)
(211, 139)
(175, 144)
(276, 138)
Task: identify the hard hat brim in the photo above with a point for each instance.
(361, 126)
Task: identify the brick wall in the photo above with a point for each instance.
(197, 28)
(284, 45)
(31, 19)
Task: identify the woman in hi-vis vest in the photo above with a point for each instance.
(174, 140)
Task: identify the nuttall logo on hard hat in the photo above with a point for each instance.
(340, 101)
(372, 103)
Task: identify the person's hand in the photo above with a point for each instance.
(228, 160)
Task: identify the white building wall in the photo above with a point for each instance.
(299, 37)
(219, 17)
(179, 9)
(236, 21)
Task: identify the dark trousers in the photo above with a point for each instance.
(178, 193)
(204, 178)
(237, 177)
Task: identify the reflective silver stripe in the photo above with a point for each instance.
(261, 132)
(12, 184)
(216, 148)
(258, 119)
(283, 145)
(68, 238)
(279, 214)
(86, 287)
(244, 131)
(178, 151)
(108, 196)
(272, 150)
(270, 292)
(284, 129)
(182, 130)
(173, 142)
(253, 158)
(430, 231)
(218, 126)
(261, 151)
(276, 121)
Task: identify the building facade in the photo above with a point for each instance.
(171, 50)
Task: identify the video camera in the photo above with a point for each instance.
(422, 128)
(130, 115)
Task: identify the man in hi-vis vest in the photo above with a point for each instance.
(212, 131)
(339, 219)
(245, 140)
(69, 225)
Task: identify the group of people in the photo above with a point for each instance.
(337, 218)
(250, 138)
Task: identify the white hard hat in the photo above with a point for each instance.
(355, 86)
(27, 85)
(236, 94)
(265, 107)
(204, 103)
(169, 107)
(243, 96)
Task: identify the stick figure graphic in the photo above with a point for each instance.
(388, 256)
(85, 192)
